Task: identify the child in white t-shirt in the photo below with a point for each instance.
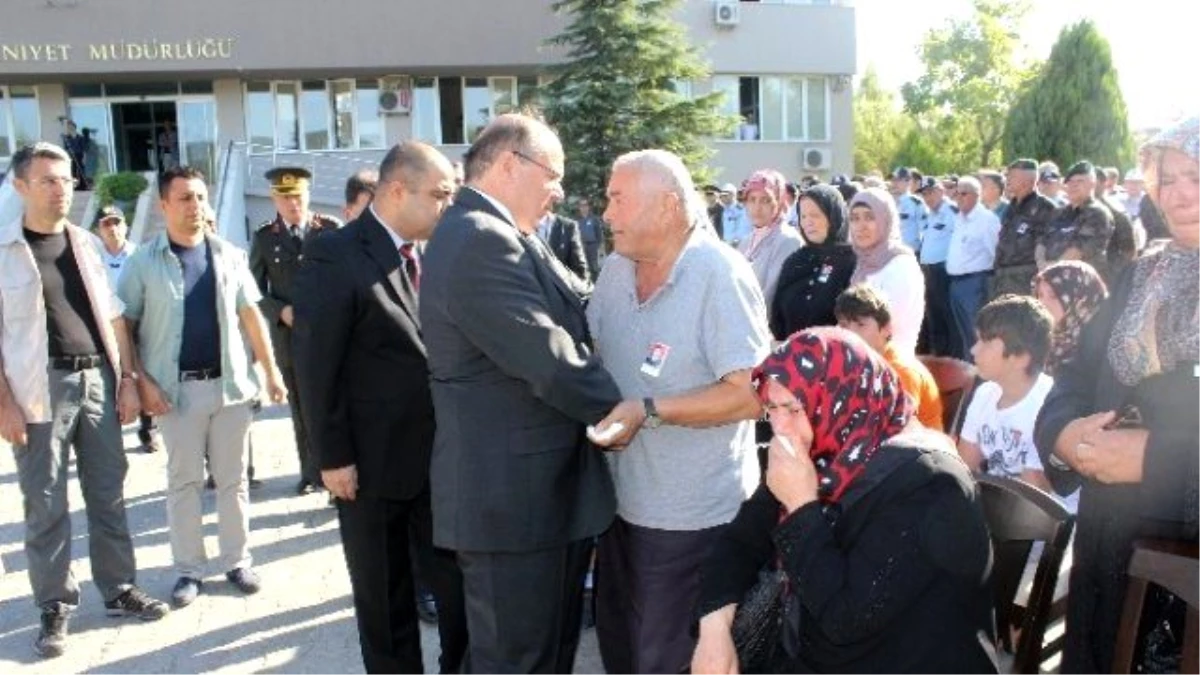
(1012, 340)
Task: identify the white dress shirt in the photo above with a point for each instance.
(973, 246)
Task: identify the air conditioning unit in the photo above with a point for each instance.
(395, 95)
(727, 13)
(812, 159)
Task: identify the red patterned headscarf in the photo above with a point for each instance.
(774, 184)
(852, 399)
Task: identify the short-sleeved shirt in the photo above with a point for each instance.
(918, 383)
(937, 228)
(152, 288)
(707, 320)
(1005, 436)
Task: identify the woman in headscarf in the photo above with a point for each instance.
(1121, 419)
(887, 265)
(814, 275)
(1071, 291)
(771, 241)
(874, 520)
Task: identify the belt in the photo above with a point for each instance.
(971, 274)
(198, 375)
(76, 363)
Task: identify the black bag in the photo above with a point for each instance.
(766, 625)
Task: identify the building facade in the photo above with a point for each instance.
(330, 85)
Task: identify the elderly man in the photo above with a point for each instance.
(1021, 228)
(194, 303)
(1081, 229)
(679, 320)
(518, 493)
(66, 381)
(970, 259)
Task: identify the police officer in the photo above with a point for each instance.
(912, 209)
(275, 254)
(937, 229)
(1021, 228)
(1081, 229)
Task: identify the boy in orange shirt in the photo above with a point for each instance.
(862, 311)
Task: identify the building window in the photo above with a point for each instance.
(313, 115)
(776, 108)
(453, 110)
(20, 123)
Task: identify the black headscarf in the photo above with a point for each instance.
(830, 201)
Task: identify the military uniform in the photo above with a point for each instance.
(1023, 226)
(1087, 228)
(276, 252)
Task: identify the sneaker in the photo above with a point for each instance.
(135, 602)
(305, 488)
(185, 592)
(210, 484)
(245, 579)
(152, 446)
(52, 638)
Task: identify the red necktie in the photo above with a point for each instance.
(411, 268)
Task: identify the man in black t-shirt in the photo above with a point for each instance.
(67, 381)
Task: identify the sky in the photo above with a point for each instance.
(1155, 45)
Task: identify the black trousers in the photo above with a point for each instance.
(376, 535)
(524, 609)
(308, 468)
(647, 586)
(938, 330)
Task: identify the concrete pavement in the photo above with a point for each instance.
(301, 622)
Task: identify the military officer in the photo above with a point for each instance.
(1081, 229)
(912, 209)
(275, 254)
(1021, 228)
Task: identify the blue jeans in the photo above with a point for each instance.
(967, 295)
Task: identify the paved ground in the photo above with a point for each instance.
(301, 622)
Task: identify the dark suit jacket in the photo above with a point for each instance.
(275, 257)
(360, 361)
(514, 382)
(567, 245)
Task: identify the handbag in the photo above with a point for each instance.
(765, 627)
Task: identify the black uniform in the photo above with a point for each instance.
(1022, 228)
(1086, 228)
(275, 255)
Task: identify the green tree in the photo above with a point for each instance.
(1073, 109)
(618, 90)
(880, 127)
(973, 74)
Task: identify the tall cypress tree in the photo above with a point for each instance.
(1073, 109)
(618, 90)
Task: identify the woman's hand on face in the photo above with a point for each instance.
(715, 652)
(791, 478)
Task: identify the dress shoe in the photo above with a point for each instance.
(245, 579)
(185, 591)
(305, 488)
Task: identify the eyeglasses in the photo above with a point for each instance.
(110, 222)
(66, 182)
(550, 172)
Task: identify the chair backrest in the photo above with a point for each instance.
(955, 381)
(1019, 514)
(1174, 567)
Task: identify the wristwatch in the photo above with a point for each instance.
(653, 421)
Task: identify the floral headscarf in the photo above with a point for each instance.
(1159, 327)
(852, 398)
(773, 183)
(1079, 290)
(875, 258)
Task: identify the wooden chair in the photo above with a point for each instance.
(1019, 514)
(1174, 567)
(955, 381)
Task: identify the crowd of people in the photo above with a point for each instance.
(507, 406)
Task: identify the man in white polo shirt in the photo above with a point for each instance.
(970, 259)
(678, 320)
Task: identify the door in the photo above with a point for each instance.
(144, 135)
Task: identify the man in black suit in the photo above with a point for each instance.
(364, 382)
(276, 250)
(518, 492)
(561, 234)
